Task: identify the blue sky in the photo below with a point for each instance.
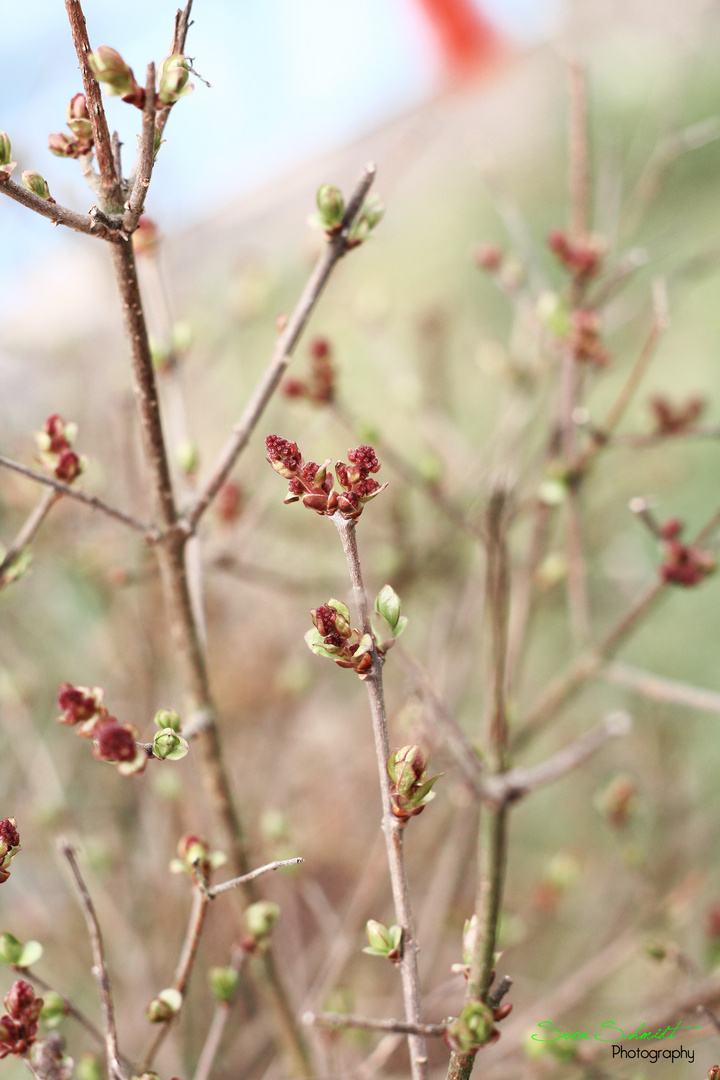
(290, 78)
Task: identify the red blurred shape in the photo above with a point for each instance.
(467, 40)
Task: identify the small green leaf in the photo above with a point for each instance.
(316, 644)
(30, 954)
(10, 949)
(387, 604)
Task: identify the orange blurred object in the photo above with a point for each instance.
(467, 40)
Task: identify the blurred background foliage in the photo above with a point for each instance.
(439, 367)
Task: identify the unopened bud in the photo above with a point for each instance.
(5, 148)
(109, 68)
(224, 982)
(89, 1068)
(37, 184)
(387, 604)
(173, 79)
(188, 457)
(54, 1008)
(384, 940)
(169, 746)
(261, 917)
(167, 718)
(162, 1008)
(331, 205)
(475, 1027)
(373, 211)
(62, 145)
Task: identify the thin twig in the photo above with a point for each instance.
(579, 156)
(99, 966)
(367, 1023)
(110, 182)
(391, 828)
(658, 688)
(517, 783)
(629, 388)
(213, 1039)
(28, 531)
(334, 250)
(585, 667)
(145, 158)
(149, 532)
(200, 904)
(177, 47)
(102, 227)
(225, 886)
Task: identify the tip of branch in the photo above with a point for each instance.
(370, 168)
(618, 723)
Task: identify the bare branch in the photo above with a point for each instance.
(225, 886)
(658, 688)
(284, 348)
(146, 157)
(28, 530)
(100, 971)
(200, 904)
(366, 1023)
(516, 784)
(100, 226)
(149, 532)
(110, 182)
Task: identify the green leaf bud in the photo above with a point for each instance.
(331, 205)
(224, 982)
(169, 746)
(37, 184)
(261, 917)
(387, 605)
(54, 1009)
(5, 148)
(173, 79)
(167, 718)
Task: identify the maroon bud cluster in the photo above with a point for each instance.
(18, 1028)
(9, 845)
(683, 564)
(80, 142)
(320, 387)
(582, 258)
(346, 646)
(114, 742)
(585, 340)
(314, 484)
(55, 445)
(672, 419)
